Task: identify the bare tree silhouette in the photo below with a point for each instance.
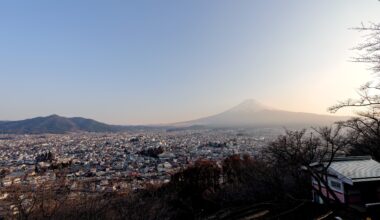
(369, 53)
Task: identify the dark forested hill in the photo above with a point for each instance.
(56, 125)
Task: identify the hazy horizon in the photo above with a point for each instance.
(246, 106)
(162, 62)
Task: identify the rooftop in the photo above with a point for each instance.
(356, 169)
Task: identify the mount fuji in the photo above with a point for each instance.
(252, 113)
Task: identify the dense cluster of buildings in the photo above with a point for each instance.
(110, 161)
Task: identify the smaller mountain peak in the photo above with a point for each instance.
(54, 116)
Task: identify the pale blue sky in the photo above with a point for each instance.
(138, 62)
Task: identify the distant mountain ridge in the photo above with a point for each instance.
(252, 113)
(249, 113)
(55, 124)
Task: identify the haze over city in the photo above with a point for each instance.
(164, 62)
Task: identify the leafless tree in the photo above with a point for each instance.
(313, 151)
(369, 53)
(364, 129)
(332, 143)
(363, 134)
